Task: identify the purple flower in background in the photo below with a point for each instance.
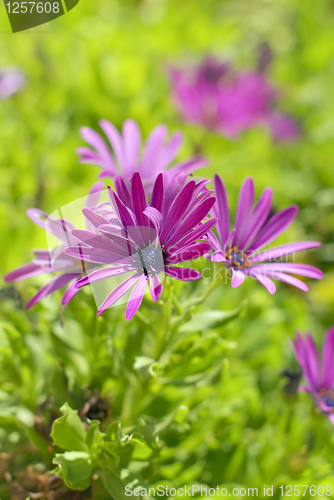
(240, 249)
(218, 98)
(125, 155)
(145, 240)
(11, 81)
(45, 262)
(319, 376)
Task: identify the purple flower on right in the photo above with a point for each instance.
(240, 250)
(319, 376)
(214, 95)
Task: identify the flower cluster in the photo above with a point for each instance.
(156, 218)
(215, 96)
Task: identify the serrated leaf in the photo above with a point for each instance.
(68, 431)
(76, 468)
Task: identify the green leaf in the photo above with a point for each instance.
(145, 366)
(112, 482)
(208, 320)
(94, 435)
(76, 468)
(68, 431)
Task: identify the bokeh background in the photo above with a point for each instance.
(109, 59)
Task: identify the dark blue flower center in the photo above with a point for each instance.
(328, 401)
(149, 260)
(237, 258)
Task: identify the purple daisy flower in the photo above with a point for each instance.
(240, 249)
(146, 240)
(319, 376)
(216, 97)
(46, 262)
(11, 81)
(125, 155)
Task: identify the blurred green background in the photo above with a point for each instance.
(109, 58)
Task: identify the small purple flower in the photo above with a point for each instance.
(319, 376)
(144, 240)
(241, 249)
(216, 97)
(125, 155)
(57, 261)
(11, 81)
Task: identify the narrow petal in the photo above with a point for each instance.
(183, 273)
(282, 250)
(238, 277)
(116, 142)
(94, 139)
(131, 146)
(55, 284)
(95, 219)
(70, 292)
(245, 203)
(122, 191)
(170, 151)
(218, 256)
(177, 209)
(37, 216)
(158, 193)
(24, 272)
(191, 237)
(221, 211)
(192, 252)
(102, 274)
(312, 358)
(257, 218)
(155, 217)
(263, 279)
(95, 255)
(136, 298)
(290, 280)
(331, 418)
(328, 359)
(153, 145)
(155, 287)
(290, 267)
(274, 227)
(138, 199)
(118, 292)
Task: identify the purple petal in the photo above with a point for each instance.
(193, 236)
(274, 227)
(138, 199)
(328, 359)
(123, 213)
(122, 191)
(158, 193)
(102, 274)
(154, 216)
(290, 267)
(131, 146)
(257, 218)
(94, 139)
(283, 127)
(263, 279)
(218, 256)
(282, 250)
(37, 216)
(95, 219)
(95, 255)
(170, 151)
(190, 253)
(155, 287)
(177, 209)
(136, 298)
(24, 272)
(331, 418)
(118, 292)
(70, 292)
(238, 277)
(221, 211)
(152, 149)
(183, 273)
(191, 165)
(116, 142)
(290, 280)
(55, 284)
(213, 241)
(191, 221)
(312, 359)
(245, 203)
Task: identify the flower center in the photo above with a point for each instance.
(236, 258)
(149, 260)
